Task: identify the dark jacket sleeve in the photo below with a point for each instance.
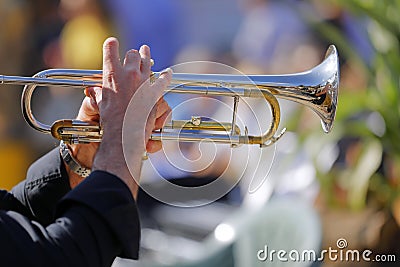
(45, 184)
(9, 202)
(96, 222)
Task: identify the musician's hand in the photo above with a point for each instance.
(126, 83)
(89, 111)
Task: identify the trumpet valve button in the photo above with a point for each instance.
(196, 120)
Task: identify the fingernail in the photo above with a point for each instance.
(145, 48)
(89, 91)
(132, 52)
(167, 70)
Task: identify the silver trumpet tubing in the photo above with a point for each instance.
(316, 88)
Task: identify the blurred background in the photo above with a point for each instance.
(320, 188)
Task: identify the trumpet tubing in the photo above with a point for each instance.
(316, 88)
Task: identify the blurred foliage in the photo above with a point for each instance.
(368, 117)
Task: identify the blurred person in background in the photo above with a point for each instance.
(159, 28)
(26, 27)
(85, 231)
(14, 25)
(76, 45)
(87, 24)
(276, 37)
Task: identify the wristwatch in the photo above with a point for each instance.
(72, 162)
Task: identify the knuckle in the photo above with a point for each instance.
(146, 65)
(161, 81)
(135, 73)
(133, 54)
(109, 76)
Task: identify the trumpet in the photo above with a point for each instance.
(316, 88)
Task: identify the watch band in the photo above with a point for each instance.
(72, 162)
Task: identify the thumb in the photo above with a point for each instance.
(90, 106)
(94, 93)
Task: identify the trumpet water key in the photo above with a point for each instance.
(316, 88)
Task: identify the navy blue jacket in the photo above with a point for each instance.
(44, 223)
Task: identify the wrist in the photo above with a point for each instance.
(111, 158)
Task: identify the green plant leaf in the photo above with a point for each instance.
(367, 164)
